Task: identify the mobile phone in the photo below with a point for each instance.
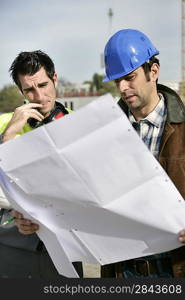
(34, 123)
(31, 121)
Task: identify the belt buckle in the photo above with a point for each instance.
(145, 262)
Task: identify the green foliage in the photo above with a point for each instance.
(101, 87)
(10, 98)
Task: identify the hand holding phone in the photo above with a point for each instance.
(34, 123)
(20, 118)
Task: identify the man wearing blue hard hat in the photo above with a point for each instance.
(158, 115)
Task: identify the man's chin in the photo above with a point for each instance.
(131, 105)
(45, 113)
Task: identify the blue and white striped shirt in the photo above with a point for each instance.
(150, 129)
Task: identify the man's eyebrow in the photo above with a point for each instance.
(130, 74)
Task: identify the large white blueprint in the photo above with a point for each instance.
(97, 192)
(3, 201)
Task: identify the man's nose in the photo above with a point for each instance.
(38, 95)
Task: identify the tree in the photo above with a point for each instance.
(10, 98)
(101, 87)
(97, 81)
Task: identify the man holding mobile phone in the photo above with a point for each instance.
(22, 253)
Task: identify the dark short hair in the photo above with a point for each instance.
(28, 63)
(147, 66)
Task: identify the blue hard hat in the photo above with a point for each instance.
(125, 51)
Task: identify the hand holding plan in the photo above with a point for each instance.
(97, 193)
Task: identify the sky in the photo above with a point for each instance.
(74, 33)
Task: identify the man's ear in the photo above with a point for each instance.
(55, 80)
(154, 72)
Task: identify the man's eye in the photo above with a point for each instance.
(42, 85)
(28, 90)
(130, 78)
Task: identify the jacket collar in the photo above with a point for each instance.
(175, 106)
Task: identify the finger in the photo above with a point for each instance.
(26, 224)
(182, 239)
(32, 227)
(30, 112)
(33, 113)
(182, 232)
(182, 236)
(32, 105)
(28, 107)
(16, 214)
(23, 222)
(23, 114)
(27, 229)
